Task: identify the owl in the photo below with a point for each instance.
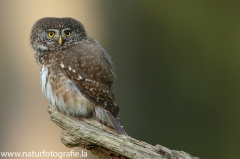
(76, 72)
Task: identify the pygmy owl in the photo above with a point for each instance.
(76, 72)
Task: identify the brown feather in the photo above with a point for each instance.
(83, 64)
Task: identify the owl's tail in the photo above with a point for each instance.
(115, 123)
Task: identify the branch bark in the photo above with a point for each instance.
(106, 143)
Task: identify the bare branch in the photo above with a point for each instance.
(105, 142)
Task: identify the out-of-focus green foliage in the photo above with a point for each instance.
(178, 68)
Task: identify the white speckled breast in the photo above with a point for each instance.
(63, 93)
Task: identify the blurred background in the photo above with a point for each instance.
(177, 64)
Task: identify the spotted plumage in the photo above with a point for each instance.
(76, 72)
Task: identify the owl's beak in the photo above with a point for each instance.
(60, 40)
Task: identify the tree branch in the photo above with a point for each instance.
(105, 142)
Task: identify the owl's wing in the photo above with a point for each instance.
(91, 69)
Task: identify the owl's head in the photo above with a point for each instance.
(56, 33)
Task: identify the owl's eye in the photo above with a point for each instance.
(68, 33)
(51, 34)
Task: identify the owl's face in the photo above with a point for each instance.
(56, 33)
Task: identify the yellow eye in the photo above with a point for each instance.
(51, 34)
(68, 33)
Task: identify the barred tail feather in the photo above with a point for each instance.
(115, 123)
